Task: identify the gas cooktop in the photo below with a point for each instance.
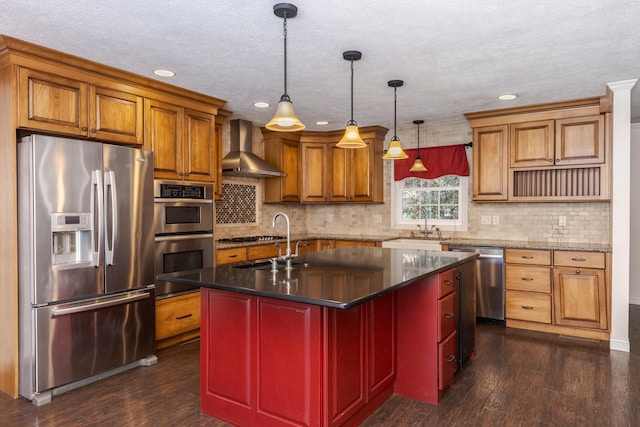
(251, 239)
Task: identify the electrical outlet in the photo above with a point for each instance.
(495, 220)
(331, 217)
(485, 219)
(562, 221)
(377, 219)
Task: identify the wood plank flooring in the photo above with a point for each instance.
(518, 378)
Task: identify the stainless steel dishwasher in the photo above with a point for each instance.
(489, 281)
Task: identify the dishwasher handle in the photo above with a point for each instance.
(490, 256)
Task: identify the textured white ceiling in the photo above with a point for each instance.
(454, 56)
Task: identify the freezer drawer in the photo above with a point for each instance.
(82, 339)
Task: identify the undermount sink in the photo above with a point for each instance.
(408, 243)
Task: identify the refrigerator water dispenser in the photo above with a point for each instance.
(71, 239)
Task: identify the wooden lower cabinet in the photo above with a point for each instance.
(351, 243)
(565, 292)
(272, 362)
(177, 319)
(231, 255)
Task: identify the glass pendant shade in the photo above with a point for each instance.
(351, 138)
(418, 166)
(285, 119)
(395, 150)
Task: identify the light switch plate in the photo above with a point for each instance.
(496, 220)
(562, 221)
(485, 219)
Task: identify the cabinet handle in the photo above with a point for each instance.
(448, 282)
(449, 315)
(451, 358)
(527, 307)
(527, 279)
(233, 256)
(526, 257)
(578, 259)
(184, 317)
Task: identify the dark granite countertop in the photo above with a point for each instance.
(528, 244)
(296, 237)
(339, 278)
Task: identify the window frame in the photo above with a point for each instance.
(444, 225)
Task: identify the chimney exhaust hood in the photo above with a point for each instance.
(241, 161)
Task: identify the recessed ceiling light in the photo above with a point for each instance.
(261, 104)
(164, 73)
(507, 97)
(322, 122)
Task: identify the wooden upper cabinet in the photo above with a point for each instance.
(490, 162)
(62, 105)
(199, 146)
(352, 174)
(532, 144)
(580, 141)
(283, 151)
(315, 180)
(183, 141)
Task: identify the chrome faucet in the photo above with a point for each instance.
(288, 255)
(426, 230)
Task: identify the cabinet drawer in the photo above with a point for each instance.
(529, 306)
(447, 282)
(447, 360)
(528, 256)
(266, 251)
(579, 259)
(177, 315)
(525, 278)
(231, 255)
(446, 315)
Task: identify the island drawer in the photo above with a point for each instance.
(528, 306)
(447, 360)
(446, 315)
(579, 259)
(528, 256)
(527, 278)
(447, 282)
(231, 255)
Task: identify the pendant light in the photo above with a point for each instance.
(418, 166)
(395, 150)
(351, 138)
(285, 119)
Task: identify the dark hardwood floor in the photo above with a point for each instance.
(518, 378)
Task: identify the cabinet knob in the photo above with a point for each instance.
(448, 282)
(550, 160)
(84, 128)
(93, 130)
(449, 316)
(557, 160)
(186, 174)
(577, 271)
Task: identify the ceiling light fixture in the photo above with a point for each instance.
(395, 150)
(507, 97)
(164, 73)
(285, 119)
(351, 138)
(418, 166)
(322, 122)
(261, 104)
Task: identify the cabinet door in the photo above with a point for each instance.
(283, 152)
(359, 169)
(325, 244)
(339, 181)
(52, 103)
(163, 136)
(199, 146)
(115, 115)
(314, 160)
(580, 298)
(580, 140)
(218, 185)
(531, 144)
(307, 246)
(490, 163)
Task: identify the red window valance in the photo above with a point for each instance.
(439, 161)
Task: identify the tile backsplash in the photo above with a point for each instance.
(238, 205)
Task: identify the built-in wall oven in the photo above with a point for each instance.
(183, 215)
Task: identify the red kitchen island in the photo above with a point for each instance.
(331, 340)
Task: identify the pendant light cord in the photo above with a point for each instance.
(395, 113)
(285, 96)
(351, 122)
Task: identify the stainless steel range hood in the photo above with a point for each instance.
(241, 161)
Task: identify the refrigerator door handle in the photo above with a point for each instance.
(100, 304)
(96, 204)
(110, 190)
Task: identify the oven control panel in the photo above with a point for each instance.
(177, 190)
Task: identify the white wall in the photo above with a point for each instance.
(634, 252)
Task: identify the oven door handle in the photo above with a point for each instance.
(175, 237)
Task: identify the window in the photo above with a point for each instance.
(443, 200)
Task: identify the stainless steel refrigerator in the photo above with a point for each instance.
(86, 268)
